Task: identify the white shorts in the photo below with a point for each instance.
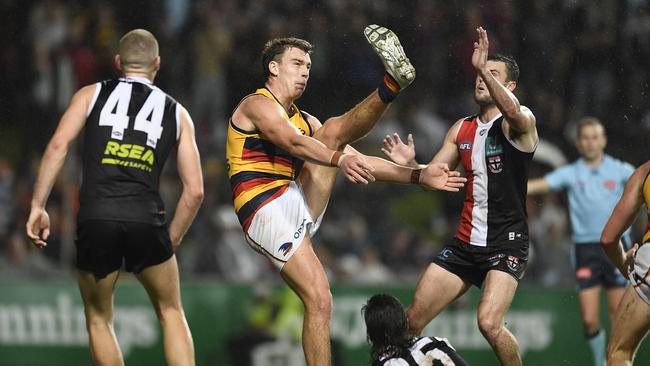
(640, 272)
(278, 228)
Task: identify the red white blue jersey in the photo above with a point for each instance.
(494, 213)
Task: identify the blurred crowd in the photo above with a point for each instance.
(577, 58)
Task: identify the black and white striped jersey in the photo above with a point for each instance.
(426, 351)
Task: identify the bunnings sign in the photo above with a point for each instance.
(42, 323)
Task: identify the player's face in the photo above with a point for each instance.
(500, 72)
(293, 71)
(591, 142)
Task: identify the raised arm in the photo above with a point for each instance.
(518, 118)
(622, 217)
(71, 123)
(189, 170)
(267, 117)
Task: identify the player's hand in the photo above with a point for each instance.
(438, 176)
(629, 260)
(481, 49)
(38, 227)
(398, 152)
(356, 169)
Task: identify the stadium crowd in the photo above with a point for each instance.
(578, 58)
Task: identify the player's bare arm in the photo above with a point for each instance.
(189, 170)
(265, 116)
(622, 217)
(404, 154)
(520, 121)
(71, 123)
(448, 153)
(538, 186)
(435, 176)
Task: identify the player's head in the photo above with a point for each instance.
(286, 62)
(505, 70)
(386, 326)
(138, 53)
(591, 139)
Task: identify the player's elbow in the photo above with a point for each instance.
(58, 145)
(607, 239)
(195, 195)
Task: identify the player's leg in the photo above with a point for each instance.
(97, 296)
(436, 289)
(305, 275)
(317, 181)
(498, 292)
(162, 284)
(614, 297)
(589, 299)
(630, 326)
(358, 121)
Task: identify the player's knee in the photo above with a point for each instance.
(319, 302)
(329, 136)
(169, 312)
(490, 326)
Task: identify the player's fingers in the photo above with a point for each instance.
(409, 139)
(454, 173)
(357, 178)
(386, 152)
(30, 231)
(449, 189)
(398, 140)
(46, 233)
(388, 141)
(368, 175)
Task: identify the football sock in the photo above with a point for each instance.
(388, 89)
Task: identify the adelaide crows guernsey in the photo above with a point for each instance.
(130, 130)
(260, 171)
(494, 212)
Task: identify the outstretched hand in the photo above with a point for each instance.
(356, 169)
(397, 151)
(481, 49)
(438, 176)
(38, 227)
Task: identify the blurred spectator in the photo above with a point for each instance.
(584, 56)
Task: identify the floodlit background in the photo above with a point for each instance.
(577, 58)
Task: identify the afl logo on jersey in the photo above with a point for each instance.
(465, 146)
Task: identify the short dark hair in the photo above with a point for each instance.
(386, 326)
(589, 121)
(274, 49)
(511, 65)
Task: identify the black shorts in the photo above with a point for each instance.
(593, 268)
(103, 245)
(472, 263)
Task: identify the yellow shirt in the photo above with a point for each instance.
(258, 170)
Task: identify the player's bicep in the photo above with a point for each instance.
(188, 158)
(448, 153)
(268, 119)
